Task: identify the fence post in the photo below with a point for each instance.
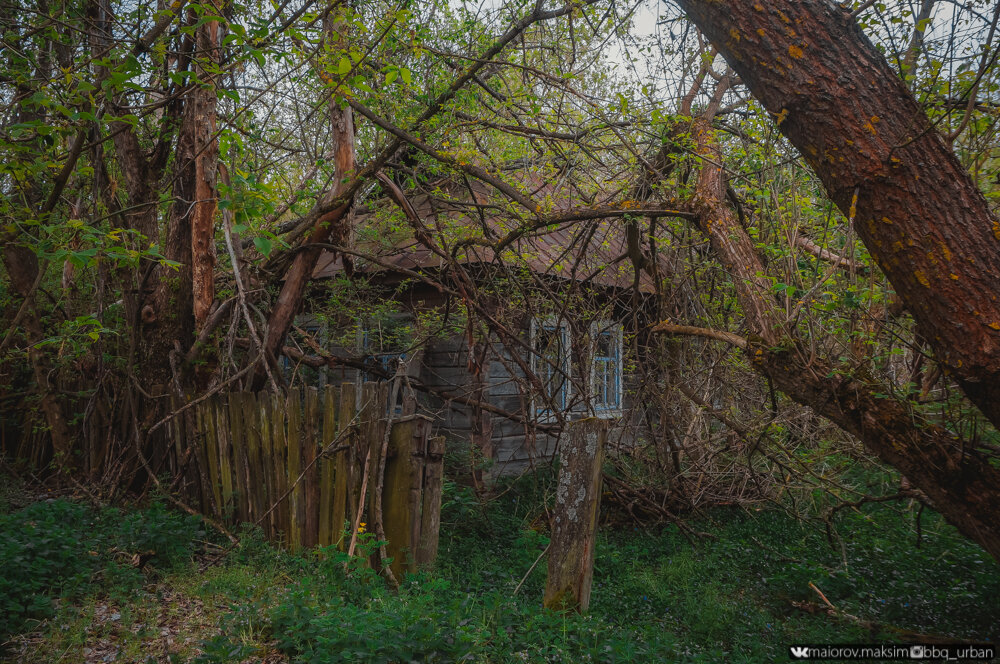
(574, 528)
(430, 511)
(397, 518)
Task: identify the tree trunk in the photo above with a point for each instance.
(199, 132)
(963, 486)
(23, 270)
(920, 215)
(328, 227)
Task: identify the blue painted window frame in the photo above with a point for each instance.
(606, 368)
(547, 371)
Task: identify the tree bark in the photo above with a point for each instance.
(22, 268)
(328, 227)
(198, 132)
(922, 218)
(964, 486)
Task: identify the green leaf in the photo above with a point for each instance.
(407, 76)
(344, 65)
(264, 245)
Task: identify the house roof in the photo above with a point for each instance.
(591, 251)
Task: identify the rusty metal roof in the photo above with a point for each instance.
(591, 251)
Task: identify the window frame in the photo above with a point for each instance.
(319, 329)
(539, 406)
(389, 361)
(603, 407)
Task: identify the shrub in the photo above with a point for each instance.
(60, 548)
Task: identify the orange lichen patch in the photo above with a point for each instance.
(953, 276)
(795, 51)
(870, 127)
(784, 18)
(897, 246)
(995, 325)
(760, 31)
(875, 119)
(812, 150)
(780, 117)
(922, 278)
(945, 251)
(759, 7)
(886, 220)
(996, 229)
(735, 34)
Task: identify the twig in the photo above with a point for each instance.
(533, 565)
(822, 596)
(227, 218)
(330, 448)
(380, 479)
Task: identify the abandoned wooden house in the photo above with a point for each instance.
(506, 393)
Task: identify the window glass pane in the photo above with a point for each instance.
(551, 358)
(607, 370)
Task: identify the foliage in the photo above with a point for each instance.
(63, 549)
(657, 596)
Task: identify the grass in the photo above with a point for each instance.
(742, 595)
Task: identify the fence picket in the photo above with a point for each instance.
(293, 444)
(249, 451)
(344, 465)
(325, 536)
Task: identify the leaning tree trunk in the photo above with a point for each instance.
(962, 485)
(919, 214)
(329, 226)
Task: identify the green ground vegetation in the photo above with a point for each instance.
(148, 585)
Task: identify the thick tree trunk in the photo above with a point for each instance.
(328, 227)
(198, 132)
(920, 215)
(23, 270)
(183, 298)
(963, 486)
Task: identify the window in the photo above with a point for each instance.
(383, 345)
(374, 355)
(606, 368)
(301, 374)
(550, 362)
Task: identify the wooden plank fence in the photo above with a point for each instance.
(294, 465)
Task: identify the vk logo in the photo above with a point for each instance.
(799, 652)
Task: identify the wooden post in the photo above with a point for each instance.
(310, 441)
(430, 511)
(198, 438)
(574, 527)
(224, 451)
(267, 464)
(279, 460)
(344, 466)
(210, 429)
(256, 489)
(397, 517)
(327, 533)
(239, 442)
(294, 443)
